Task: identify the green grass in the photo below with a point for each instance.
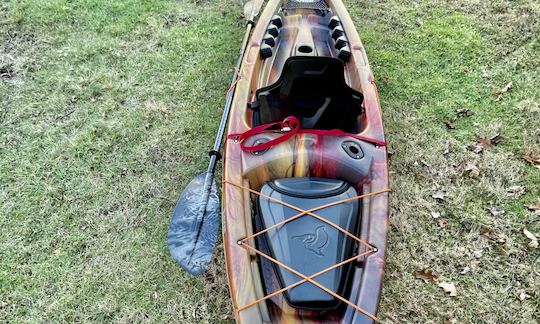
(108, 107)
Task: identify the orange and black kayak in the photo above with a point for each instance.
(305, 190)
(305, 179)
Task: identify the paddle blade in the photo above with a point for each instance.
(252, 8)
(194, 226)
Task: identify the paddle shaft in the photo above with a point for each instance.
(228, 103)
(194, 226)
(214, 153)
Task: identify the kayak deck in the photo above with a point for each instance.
(292, 257)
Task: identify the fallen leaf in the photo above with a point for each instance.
(449, 288)
(442, 222)
(496, 139)
(473, 170)
(502, 250)
(485, 143)
(523, 295)
(504, 90)
(465, 270)
(425, 163)
(484, 230)
(477, 254)
(426, 275)
(451, 123)
(494, 237)
(441, 194)
(499, 239)
(516, 190)
(464, 112)
(535, 208)
(496, 211)
(476, 147)
(435, 214)
(533, 158)
(534, 240)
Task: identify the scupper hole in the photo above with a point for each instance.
(305, 49)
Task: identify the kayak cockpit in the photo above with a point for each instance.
(312, 89)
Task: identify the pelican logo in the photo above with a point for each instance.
(315, 242)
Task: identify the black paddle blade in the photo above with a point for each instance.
(194, 226)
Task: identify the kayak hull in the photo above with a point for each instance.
(304, 155)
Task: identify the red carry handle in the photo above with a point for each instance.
(290, 126)
(290, 123)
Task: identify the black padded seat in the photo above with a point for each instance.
(313, 89)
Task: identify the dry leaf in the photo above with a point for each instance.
(496, 139)
(476, 147)
(464, 112)
(473, 170)
(441, 194)
(451, 123)
(426, 275)
(446, 151)
(485, 143)
(477, 254)
(442, 222)
(504, 90)
(499, 239)
(523, 295)
(502, 250)
(496, 211)
(534, 240)
(494, 237)
(532, 158)
(516, 190)
(449, 288)
(507, 87)
(425, 163)
(435, 214)
(535, 208)
(484, 230)
(465, 270)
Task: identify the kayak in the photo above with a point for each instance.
(305, 179)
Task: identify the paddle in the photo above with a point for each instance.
(194, 226)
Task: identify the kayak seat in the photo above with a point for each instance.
(314, 90)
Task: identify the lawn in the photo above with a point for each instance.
(107, 109)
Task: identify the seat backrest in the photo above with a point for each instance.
(314, 90)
